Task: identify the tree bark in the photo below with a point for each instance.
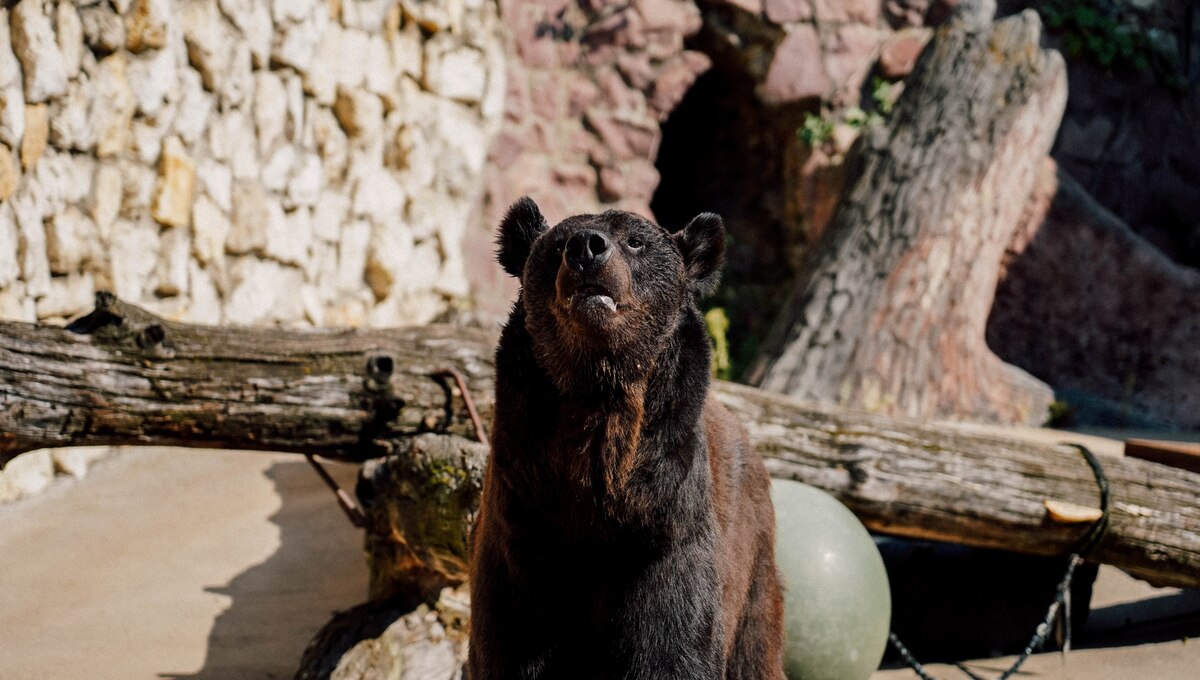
(114, 379)
(889, 312)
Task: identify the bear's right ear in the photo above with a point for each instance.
(518, 230)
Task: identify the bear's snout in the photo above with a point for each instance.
(587, 250)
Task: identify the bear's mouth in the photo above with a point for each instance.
(592, 297)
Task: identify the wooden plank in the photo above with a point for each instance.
(1182, 455)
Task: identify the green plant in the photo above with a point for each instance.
(1113, 35)
(815, 130)
(883, 94)
(718, 328)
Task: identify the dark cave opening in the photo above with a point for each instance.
(723, 151)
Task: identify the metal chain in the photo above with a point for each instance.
(1086, 545)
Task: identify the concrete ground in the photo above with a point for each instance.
(221, 565)
(168, 563)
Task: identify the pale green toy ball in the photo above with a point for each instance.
(837, 606)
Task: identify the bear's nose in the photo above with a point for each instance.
(587, 250)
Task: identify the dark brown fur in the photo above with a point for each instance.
(626, 529)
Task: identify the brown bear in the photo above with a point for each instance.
(626, 528)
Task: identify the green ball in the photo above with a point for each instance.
(837, 606)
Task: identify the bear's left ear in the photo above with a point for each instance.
(702, 243)
(521, 226)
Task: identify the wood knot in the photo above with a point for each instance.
(151, 336)
(380, 368)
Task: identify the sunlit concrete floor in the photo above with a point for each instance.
(172, 563)
(168, 563)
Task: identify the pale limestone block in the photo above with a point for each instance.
(291, 10)
(114, 106)
(35, 265)
(37, 134)
(388, 254)
(288, 236)
(278, 168)
(146, 25)
(153, 79)
(236, 86)
(106, 198)
(248, 231)
(435, 16)
(361, 115)
(210, 229)
(270, 109)
(10, 173)
(414, 309)
(321, 268)
(368, 15)
(15, 305)
(253, 19)
(70, 118)
(421, 272)
(68, 296)
(331, 143)
(330, 212)
(347, 313)
(177, 185)
(299, 41)
(216, 180)
(381, 72)
(194, 110)
(132, 253)
(321, 78)
(10, 264)
(378, 196)
(69, 31)
(62, 178)
(453, 70)
(427, 212)
(352, 255)
(173, 258)
(408, 53)
(138, 185)
(34, 42)
(296, 110)
(26, 475)
(414, 155)
(462, 132)
(72, 239)
(452, 278)
(75, 461)
(352, 60)
(204, 303)
(103, 28)
(314, 310)
(264, 292)
(492, 106)
(304, 186)
(210, 40)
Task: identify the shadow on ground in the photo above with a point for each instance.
(279, 604)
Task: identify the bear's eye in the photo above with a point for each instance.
(635, 243)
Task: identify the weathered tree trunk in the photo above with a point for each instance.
(889, 312)
(131, 378)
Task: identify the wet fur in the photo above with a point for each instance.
(626, 529)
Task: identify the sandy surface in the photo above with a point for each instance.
(222, 565)
(169, 564)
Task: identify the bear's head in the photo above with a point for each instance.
(603, 294)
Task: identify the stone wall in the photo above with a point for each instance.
(309, 162)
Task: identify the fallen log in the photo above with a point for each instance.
(124, 376)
